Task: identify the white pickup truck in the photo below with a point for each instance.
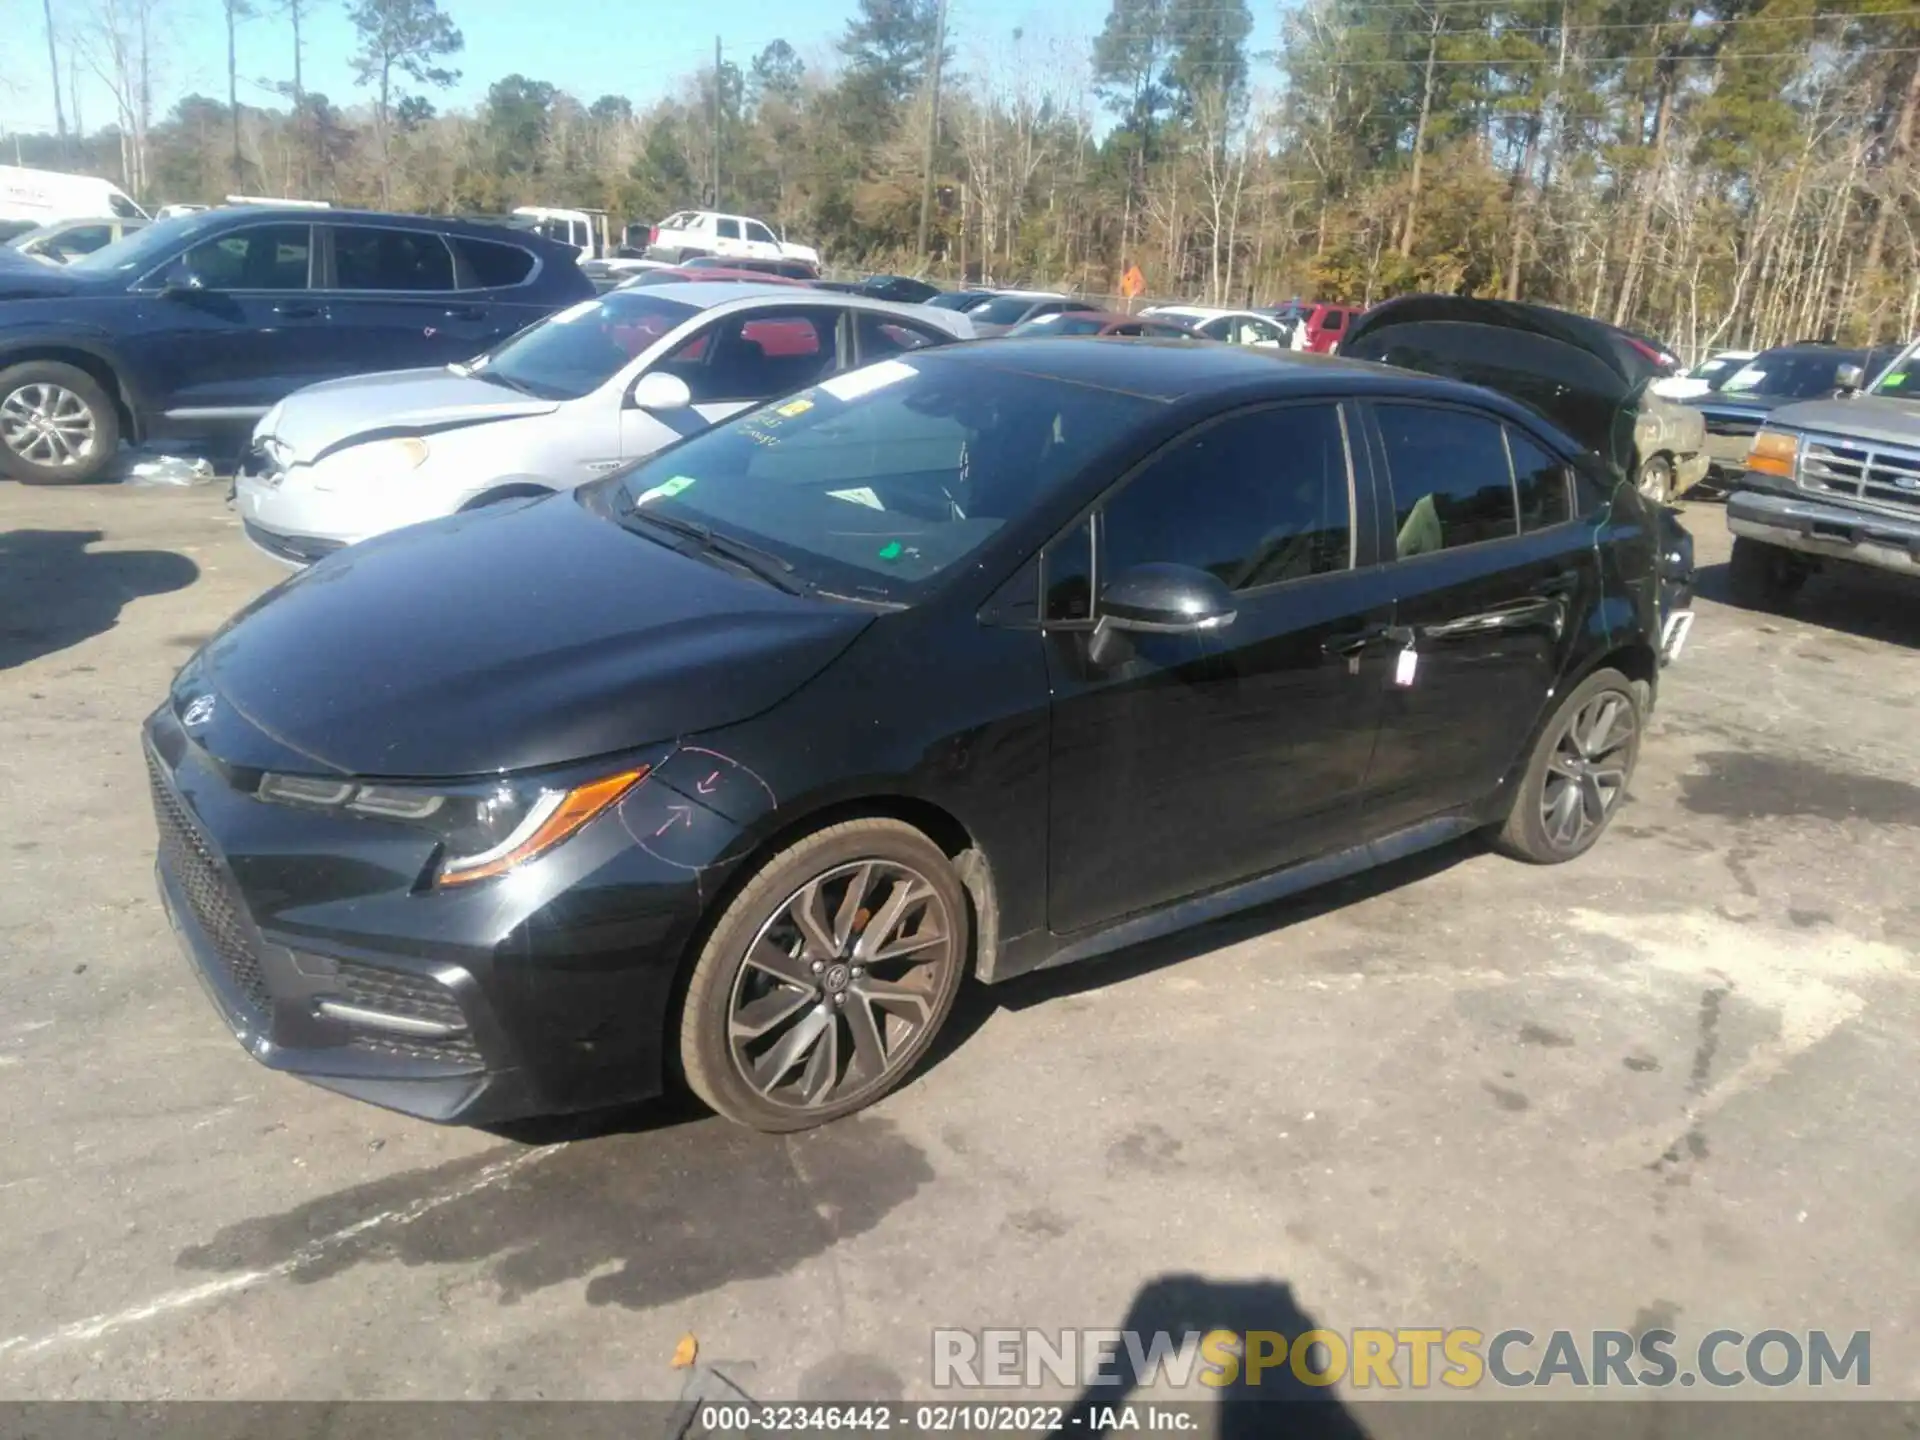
(702, 232)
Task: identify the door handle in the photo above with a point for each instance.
(466, 312)
(1354, 641)
(297, 312)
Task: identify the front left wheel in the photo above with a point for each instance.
(1656, 479)
(57, 426)
(827, 978)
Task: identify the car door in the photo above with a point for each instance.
(726, 237)
(240, 329)
(736, 362)
(760, 242)
(1492, 582)
(1191, 761)
(393, 304)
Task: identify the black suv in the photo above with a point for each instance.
(1002, 658)
(190, 329)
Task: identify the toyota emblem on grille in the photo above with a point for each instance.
(198, 712)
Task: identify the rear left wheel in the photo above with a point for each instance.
(1576, 778)
(827, 978)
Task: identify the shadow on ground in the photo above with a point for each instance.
(1850, 599)
(56, 592)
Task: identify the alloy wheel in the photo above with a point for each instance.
(48, 425)
(839, 984)
(1587, 773)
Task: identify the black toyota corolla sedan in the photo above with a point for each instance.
(733, 765)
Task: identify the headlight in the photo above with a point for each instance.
(1773, 453)
(374, 461)
(485, 829)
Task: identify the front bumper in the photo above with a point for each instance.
(544, 992)
(1826, 530)
(288, 520)
(1689, 471)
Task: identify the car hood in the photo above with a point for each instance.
(500, 639)
(23, 277)
(1860, 417)
(323, 417)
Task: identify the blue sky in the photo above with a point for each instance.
(587, 47)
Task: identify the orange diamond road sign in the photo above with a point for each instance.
(1133, 284)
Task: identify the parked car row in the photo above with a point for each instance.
(949, 661)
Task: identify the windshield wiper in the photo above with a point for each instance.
(751, 558)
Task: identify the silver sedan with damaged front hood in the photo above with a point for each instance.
(581, 393)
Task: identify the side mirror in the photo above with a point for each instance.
(1157, 600)
(181, 278)
(1849, 377)
(658, 390)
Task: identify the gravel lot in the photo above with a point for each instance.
(1668, 1084)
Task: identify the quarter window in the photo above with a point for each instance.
(493, 265)
(1451, 481)
(261, 257)
(881, 337)
(1069, 575)
(1541, 482)
(1255, 499)
(366, 258)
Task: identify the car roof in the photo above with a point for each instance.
(493, 229)
(745, 294)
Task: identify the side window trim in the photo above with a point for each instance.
(1388, 509)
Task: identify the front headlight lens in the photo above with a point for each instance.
(373, 462)
(484, 830)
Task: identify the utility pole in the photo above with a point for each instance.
(53, 59)
(933, 130)
(716, 122)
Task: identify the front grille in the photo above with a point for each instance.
(419, 997)
(190, 861)
(1732, 425)
(1875, 474)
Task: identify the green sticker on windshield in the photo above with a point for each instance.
(890, 550)
(1897, 377)
(665, 487)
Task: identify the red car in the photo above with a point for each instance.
(1099, 322)
(1326, 324)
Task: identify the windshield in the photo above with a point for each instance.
(1790, 374)
(1005, 309)
(576, 351)
(141, 250)
(875, 482)
(1717, 371)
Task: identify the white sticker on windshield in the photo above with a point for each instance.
(859, 495)
(868, 379)
(575, 312)
(1749, 376)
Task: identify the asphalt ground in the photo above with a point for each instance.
(1668, 1086)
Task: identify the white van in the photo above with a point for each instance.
(43, 196)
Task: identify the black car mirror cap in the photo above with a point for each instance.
(1849, 377)
(1159, 599)
(181, 278)
(659, 390)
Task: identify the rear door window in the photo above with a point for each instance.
(727, 229)
(882, 336)
(367, 257)
(1452, 481)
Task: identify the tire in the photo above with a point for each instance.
(1655, 480)
(57, 426)
(785, 1048)
(1762, 576)
(1566, 760)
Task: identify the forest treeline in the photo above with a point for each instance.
(1716, 172)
